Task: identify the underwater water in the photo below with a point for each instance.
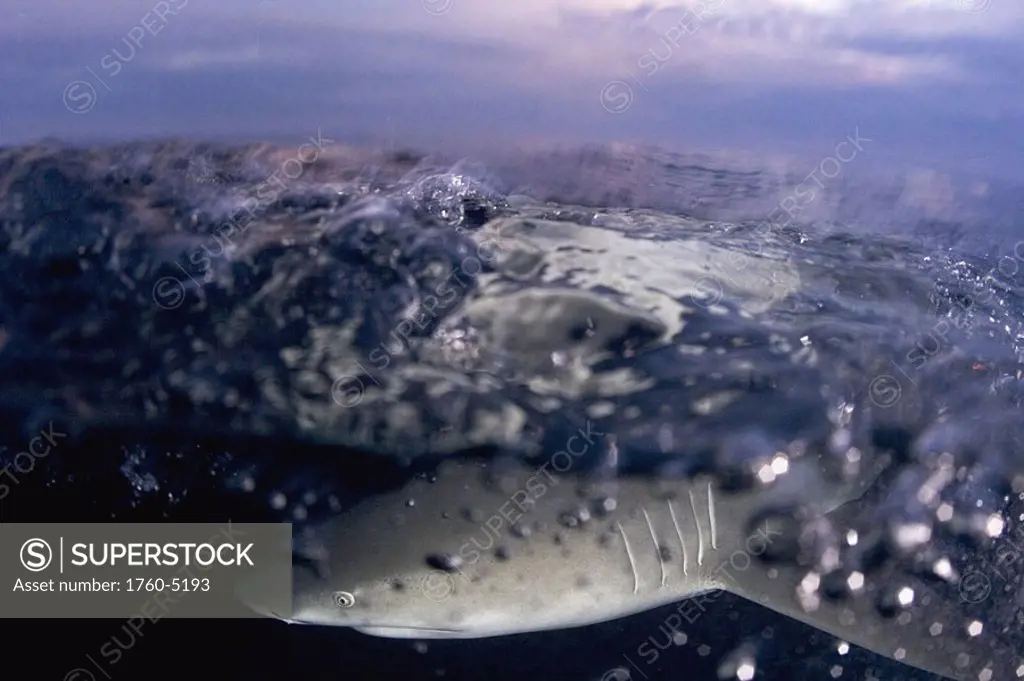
(275, 333)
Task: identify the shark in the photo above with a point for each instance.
(480, 549)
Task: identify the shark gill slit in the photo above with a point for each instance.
(629, 555)
(679, 534)
(700, 533)
(657, 546)
(711, 518)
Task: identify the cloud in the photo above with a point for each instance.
(924, 75)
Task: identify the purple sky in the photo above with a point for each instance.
(935, 83)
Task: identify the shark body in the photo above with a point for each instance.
(486, 550)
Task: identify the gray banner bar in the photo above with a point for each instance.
(144, 570)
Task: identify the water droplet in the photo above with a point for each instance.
(521, 530)
(568, 520)
(944, 569)
(893, 599)
(278, 501)
(909, 536)
(739, 664)
(855, 581)
(807, 591)
(420, 647)
(133, 469)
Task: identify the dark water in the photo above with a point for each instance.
(268, 333)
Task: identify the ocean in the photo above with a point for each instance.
(201, 331)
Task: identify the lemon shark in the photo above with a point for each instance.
(479, 550)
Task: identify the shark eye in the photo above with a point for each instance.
(344, 599)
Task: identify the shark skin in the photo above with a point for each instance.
(481, 550)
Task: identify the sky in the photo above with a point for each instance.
(934, 83)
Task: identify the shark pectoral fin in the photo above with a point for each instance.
(920, 622)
